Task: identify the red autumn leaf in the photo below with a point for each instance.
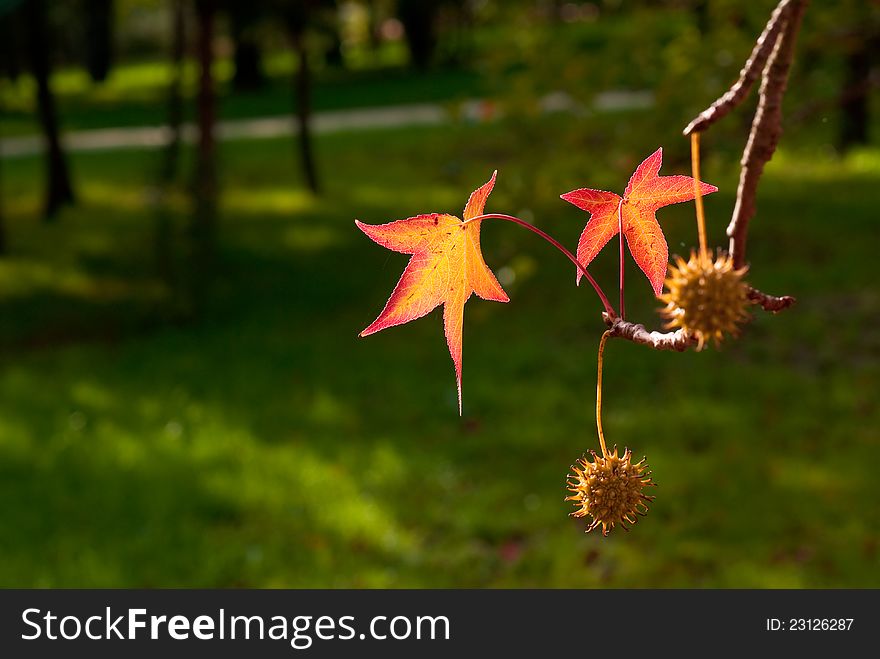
(645, 193)
(446, 267)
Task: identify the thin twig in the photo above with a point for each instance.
(550, 239)
(766, 130)
(750, 72)
(771, 303)
(622, 257)
(637, 333)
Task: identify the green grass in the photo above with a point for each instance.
(267, 445)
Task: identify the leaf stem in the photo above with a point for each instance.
(698, 193)
(550, 239)
(599, 393)
(622, 254)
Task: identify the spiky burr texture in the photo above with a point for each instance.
(705, 298)
(610, 490)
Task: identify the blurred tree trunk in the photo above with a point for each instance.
(11, 46)
(248, 60)
(248, 64)
(419, 18)
(854, 109)
(329, 25)
(303, 96)
(99, 38)
(701, 16)
(175, 92)
(59, 190)
(10, 61)
(2, 217)
(205, 179)
(163, 240)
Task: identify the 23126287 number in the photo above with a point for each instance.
(819, 624)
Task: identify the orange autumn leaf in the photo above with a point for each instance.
(446, 267)
(645, 194)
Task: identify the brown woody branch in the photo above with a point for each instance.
(637, 333)
(679, 340)
(766, 128)
(771, 58)
(770, 303)
(750, 72)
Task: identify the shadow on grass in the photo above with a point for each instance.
(266, 445)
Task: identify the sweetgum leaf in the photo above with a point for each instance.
(446, 267)
(645, 193)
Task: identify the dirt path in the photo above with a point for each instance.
(152, 137)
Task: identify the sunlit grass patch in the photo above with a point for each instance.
(267, 445)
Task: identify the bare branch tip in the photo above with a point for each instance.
(772, 303)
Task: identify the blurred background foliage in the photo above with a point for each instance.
(184, 398)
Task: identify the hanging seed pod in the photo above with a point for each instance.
(610, 490)
(705, 298)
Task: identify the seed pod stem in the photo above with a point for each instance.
(599, 393)
(698, 194)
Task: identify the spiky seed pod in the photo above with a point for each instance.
(609, 489)
(705, 298)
